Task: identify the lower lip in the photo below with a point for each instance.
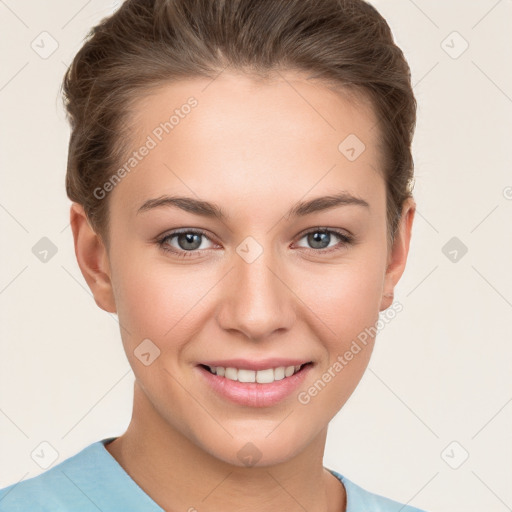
(254, 394)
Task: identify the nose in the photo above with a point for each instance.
(258, 301)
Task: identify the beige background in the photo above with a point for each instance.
(441, 371)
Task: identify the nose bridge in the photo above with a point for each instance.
(258, 301)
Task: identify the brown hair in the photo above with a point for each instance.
(147, 43)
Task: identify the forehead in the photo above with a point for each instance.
(236, 135)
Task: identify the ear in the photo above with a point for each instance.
(92, 258)
(397, 256)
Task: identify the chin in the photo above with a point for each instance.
(257, 446)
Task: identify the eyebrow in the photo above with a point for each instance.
(212, 210)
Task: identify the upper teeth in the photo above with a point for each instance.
(262, 376)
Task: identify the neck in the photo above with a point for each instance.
(179, 475)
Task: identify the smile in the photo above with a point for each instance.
(266, 384)
(265, 376)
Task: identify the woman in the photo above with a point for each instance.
(240, 175)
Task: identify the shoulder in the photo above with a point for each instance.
(90, 480)
(63, 487)
(53, 489)
(361, 500)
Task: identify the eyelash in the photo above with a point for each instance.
(345, 241)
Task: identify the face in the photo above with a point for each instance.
(262, 276)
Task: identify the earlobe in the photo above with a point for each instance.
(92, 259)
(398, 255)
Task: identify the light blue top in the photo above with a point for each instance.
(92, 481)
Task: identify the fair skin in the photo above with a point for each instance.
(255, 149)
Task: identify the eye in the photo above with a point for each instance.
(320, 240)
(188, 242)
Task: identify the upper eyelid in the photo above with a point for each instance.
(336, 231)
(174, 233)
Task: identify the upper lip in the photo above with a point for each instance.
(245, 364)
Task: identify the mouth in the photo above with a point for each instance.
(254, 384)
(261, 376)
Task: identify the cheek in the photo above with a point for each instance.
(166, 303)
(151, 299)
(346, 297)
(347, 301)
